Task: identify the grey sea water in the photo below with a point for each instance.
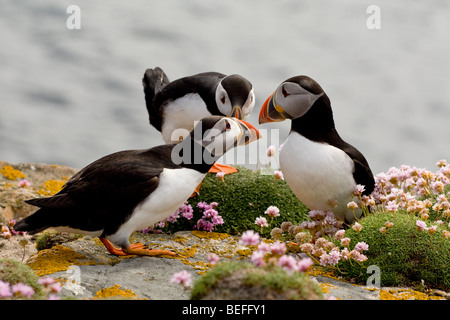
(72, 96)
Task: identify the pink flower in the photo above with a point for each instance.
(357, 227)
(46, 281)
(352, 205)
(335, 256)
(270, 151)
(345, 242)
(278, 248)
(304, 264)
(358, 190)
(432, 229)
(339, 234)
(209, 213)
(361, 246)
(264, 247)
(272, 211)
(249, 238)
(23, 290)
(55, 287)
(217, 220)
(278, 175)
(183, 278)
(307, 248)
(262, 222)
(288, 263)
(205, 225)
(5, 291)
(258, 258)
(24, 183)
(421, 225)
(213, 258)
(392, 206)
(220, 175)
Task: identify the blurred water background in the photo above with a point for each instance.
(72, 96)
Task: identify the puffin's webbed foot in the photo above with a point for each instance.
(134, 249)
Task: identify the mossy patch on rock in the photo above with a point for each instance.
(14, 272)
(242, 197)
(404, 254)
(244, 281)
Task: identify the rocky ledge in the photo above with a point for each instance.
(86, 270)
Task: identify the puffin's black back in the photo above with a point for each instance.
(103, 194)
(203, 84)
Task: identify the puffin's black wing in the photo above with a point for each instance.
(103, 194)
(153, 81)
(363, 174)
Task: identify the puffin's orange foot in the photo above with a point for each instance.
(134, 249)
(216, 168)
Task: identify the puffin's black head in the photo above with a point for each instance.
(235, 96)
(219, 134)
(292, 99)
(211, 138)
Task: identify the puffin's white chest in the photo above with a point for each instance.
(180, 115)
(175, 187)
(317, 172)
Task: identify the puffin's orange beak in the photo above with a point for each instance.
(249, 132)
(269, 112)
(237, 112)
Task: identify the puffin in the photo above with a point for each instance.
(133, 189)
(175, 106)
(318, 165)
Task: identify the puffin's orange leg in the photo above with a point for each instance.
(216, 168)
(134, 249)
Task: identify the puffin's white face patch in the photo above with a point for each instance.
(222, 137)
(294, 100)
(223, 101)
(249, 104)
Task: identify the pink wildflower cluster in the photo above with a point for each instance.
(210, 217)
(209, 220)
(21, 290)
(273, 253)
(322, 223)
(8, 231)
(413, 189)
(326, 253)
(182, 278)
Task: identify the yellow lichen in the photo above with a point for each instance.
(210, 235)
(115, 292)
(11, 173)
(326, 287)
(50, 187)
(57, 258)
(405, 294)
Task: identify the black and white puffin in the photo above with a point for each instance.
(130, 190)
(317, 164)
(174, 107)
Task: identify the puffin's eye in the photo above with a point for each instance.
(223, 99)
(284, 92)
(228, 126)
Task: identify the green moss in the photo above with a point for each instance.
(404, 255)
(243, 197)
(14, 272)
(49, 239)
(237, 280)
